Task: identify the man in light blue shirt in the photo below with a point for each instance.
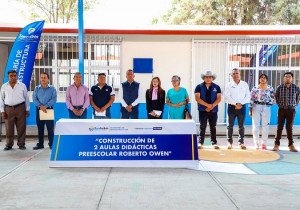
(44, 97)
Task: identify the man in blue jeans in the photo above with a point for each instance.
(130, 97)
(101, 97)
(208, 96)
(44, 97)
(237, 94)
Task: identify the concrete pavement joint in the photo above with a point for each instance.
(223, 189)
(272, 185)
(20, 165)
(104, 188)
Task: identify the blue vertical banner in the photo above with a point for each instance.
(81, 39)
(268, 54)
(262, 53)
(23, 52)
(265, 53)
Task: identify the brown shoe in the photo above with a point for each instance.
(229, 146)
(242, 146)
(216, 146)
(276, 148)
(200, 146)
(293, 148)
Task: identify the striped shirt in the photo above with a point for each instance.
(287, 97)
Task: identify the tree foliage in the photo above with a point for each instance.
(55, 11)
(232, 12)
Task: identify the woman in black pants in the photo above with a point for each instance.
(155, 99)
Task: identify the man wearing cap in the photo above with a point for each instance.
(237, 94)
(208, 96)
(14, 106)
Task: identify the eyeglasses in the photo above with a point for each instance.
(287, 76)
(174, 80)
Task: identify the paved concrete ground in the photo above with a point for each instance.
(26, 182)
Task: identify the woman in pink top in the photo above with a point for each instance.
(155, 99)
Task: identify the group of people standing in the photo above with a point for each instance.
(101, 96)
(14, 105)
(260, 99)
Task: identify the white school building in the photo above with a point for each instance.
(186, 51)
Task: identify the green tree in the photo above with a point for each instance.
(55, 11)
(286, 12)
(232, 12)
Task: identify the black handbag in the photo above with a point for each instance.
(187, 115)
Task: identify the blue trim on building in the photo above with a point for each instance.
(81, 38)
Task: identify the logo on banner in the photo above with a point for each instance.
(91, 129)
(31, 30)
(23, 52)
(31, 38)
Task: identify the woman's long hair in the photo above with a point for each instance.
(160, 90)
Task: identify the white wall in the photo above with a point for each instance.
(169, 58)
(3, 59)
(211, 55)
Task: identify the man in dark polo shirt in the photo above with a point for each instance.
(130, 97)
(102, 96)
(208, 96)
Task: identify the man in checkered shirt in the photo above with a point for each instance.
(287, 97)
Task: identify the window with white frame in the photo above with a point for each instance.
(272, 57)
(58, 56)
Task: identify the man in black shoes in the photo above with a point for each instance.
(14, 106)
(44, 98)
(237, 95)
(287, 97)
(208, 96)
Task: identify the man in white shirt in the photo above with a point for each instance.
(130, 97)
(237, 94)
(14, 106)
